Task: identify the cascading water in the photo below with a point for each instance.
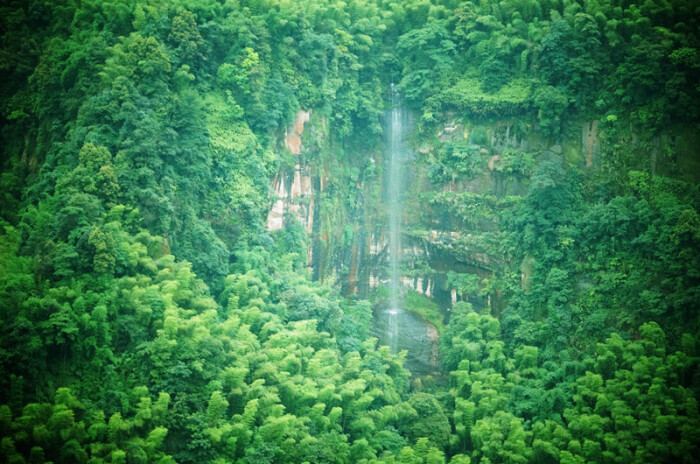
(395, 152)
(395, 189)
(393, 325)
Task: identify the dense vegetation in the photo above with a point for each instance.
(147, 315)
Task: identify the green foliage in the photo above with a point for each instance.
(468, 95)
(456, 160)
(551, 104)
(426, 52)
(149, 316)
(68, 432)
(428, 421)
(463, 284)
(516, 163)
(633, 403)
(425, 307)
(625, 248)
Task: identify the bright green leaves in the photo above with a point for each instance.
(464, 284)
(633, 402)
(429, 422)
(104, 247)
(468, 95)
(551, 104)
(140, 59)
(464, 420)
(245, 78)
(472, 337)
(67, 432)
(170, 116)
(479, 386)
(426, 53)
(187, 39)
(244, 75)
(501, 438)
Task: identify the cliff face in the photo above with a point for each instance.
(431, 246)
(460, 162)
(291, 189)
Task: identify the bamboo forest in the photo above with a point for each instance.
(349, 231)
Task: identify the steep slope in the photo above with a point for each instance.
(194, 230)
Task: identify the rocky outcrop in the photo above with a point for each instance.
(293, 136)
(293, 191)
(293, 195)
(590, 142)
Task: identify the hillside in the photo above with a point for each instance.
(204, 219)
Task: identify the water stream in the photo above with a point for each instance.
(394, 326)
(396, 153)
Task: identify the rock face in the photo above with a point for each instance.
(349, 235)
(293, 138)
(377, 260)
(590, 142)
(294, 195)
(293, 192)
(345, 216)
(362, 261)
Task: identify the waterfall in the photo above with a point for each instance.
(396, 150)
(393, 325)
(392, 333)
